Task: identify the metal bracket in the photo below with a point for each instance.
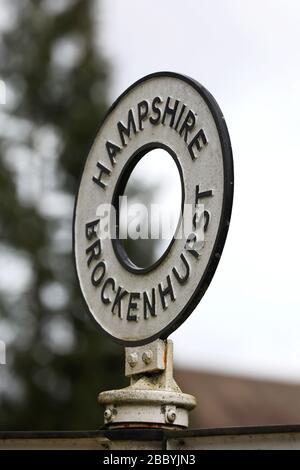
(145, 359)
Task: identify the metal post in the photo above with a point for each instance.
(153, 399)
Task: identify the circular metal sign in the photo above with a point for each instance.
(173, 112)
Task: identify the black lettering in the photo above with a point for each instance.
(190, 243)
(94, 250)
(171, 111)
(188, 124)
(117, 302)
(156, 110)
(111, 281)
(206, 215)
(202, 194)
(97, 281)
(132, 305)
(179, 117)
(199, 141)
(143, 108)
(104, 170)
(163, 292)
(112, 150)
(90, 229)
(123, 130)
(197, 220)
(182, 279)
(149, 306)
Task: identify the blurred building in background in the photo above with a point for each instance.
(232, 400)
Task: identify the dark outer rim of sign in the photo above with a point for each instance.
(123, 178)
(224, 219)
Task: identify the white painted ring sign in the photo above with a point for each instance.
(173, 112)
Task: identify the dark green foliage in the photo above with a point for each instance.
(45, 385)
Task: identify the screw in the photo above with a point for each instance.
(108, 414)
(171, 416)
(132, 359)
(147, 356)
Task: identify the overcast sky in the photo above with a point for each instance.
(247, 54)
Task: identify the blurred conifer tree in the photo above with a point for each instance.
(57, 79)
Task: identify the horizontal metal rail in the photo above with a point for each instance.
(251, 438)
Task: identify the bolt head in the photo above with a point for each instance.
(108, 414)
(171, 416)
(132, 359)
(147, 356)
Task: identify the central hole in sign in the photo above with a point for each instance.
(150, 208)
